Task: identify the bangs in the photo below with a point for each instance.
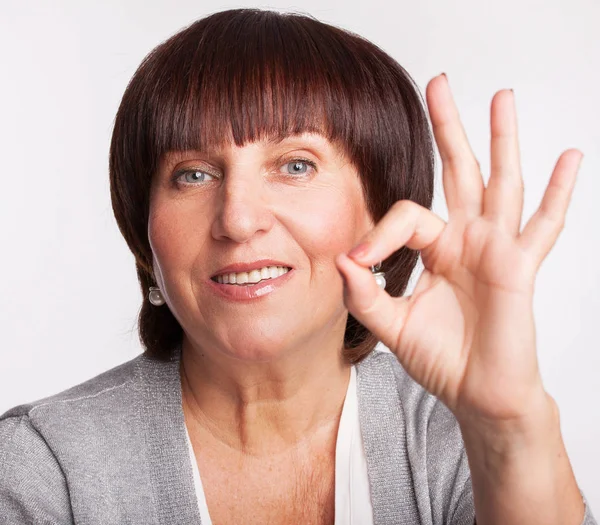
(258, 75)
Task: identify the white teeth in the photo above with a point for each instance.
(254, 276)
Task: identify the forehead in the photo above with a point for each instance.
(313, 141)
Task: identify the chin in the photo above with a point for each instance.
(260, 348)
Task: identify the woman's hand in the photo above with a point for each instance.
(467, 333)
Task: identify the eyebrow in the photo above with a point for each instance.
(312, 139)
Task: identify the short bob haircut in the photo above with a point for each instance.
(244, 74)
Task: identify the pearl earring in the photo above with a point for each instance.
(155, 296)
(379, 276)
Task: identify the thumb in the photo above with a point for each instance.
(373, 307)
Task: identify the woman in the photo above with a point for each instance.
(262, 166)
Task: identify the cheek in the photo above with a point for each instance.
(329, 225)
(173, 238)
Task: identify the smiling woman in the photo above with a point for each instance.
(262, 165)
(242, 75)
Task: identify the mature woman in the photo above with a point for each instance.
(262, 167)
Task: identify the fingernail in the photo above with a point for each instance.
(359, 251)
(445, 76)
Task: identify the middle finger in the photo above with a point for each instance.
(503, 199)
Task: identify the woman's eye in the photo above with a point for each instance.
(193, 176)
(298, 166)
(196, 176)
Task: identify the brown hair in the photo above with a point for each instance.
(243, 74)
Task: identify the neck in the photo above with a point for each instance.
(267, 407)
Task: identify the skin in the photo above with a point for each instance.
(266, 380)
(479, 352)
(266, 376)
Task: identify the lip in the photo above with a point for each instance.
(248, 267)
(250, 292)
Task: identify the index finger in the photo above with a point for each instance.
(405, 224)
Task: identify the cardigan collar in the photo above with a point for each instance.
(381, 423)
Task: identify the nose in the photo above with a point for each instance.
(242, 209)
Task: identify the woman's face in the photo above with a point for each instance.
(247, 206)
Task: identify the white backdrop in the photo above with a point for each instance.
(69, 291)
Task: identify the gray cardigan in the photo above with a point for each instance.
(113, 450)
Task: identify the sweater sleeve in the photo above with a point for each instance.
(33, 489)
(588, 518)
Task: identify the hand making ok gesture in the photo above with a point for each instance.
(467, 332)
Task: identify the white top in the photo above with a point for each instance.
(352, 494)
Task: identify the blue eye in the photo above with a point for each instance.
(194, 176)
(299, 166)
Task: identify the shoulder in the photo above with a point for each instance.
(79, 452)
(98, 387)
(61, 413)
(66, 418)
(45, 441)
(33, 488)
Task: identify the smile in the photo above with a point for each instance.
(250, 286)
(252, 277)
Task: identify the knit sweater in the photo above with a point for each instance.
(113, 450)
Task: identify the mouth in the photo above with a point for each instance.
(252, 277)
